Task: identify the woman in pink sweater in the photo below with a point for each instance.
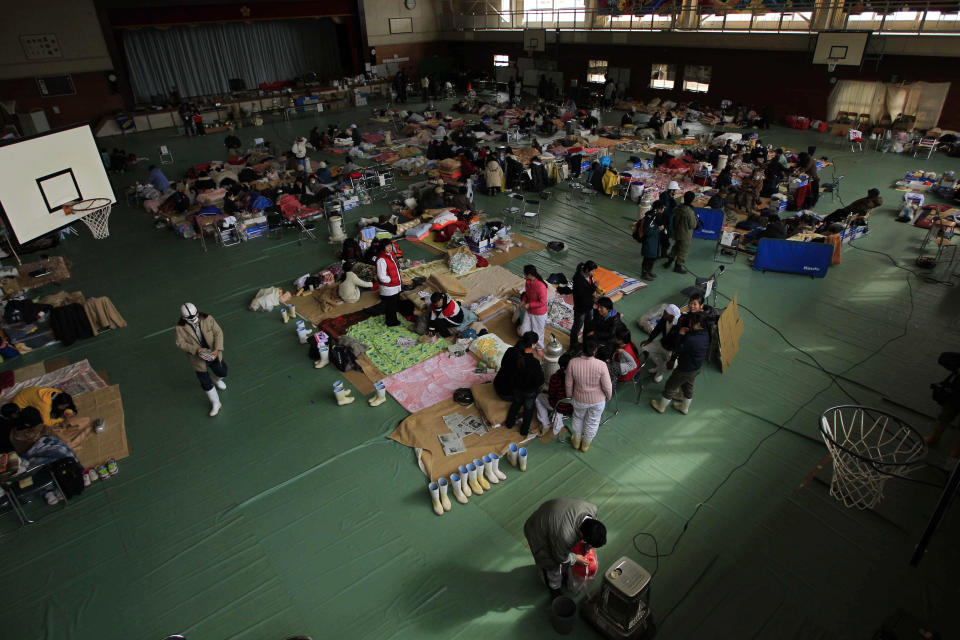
(534, 300)
(588, 383)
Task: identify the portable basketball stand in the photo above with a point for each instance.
(165, 156)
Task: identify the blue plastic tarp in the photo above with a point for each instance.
(711, 221)
(807, 258)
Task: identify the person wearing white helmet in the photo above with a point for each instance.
(201, 337)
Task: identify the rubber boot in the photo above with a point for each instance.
(324, 358)
(218, 382)
(585, 444)
(444, 500)
(283, 314)
(683, 406)
(660, 405)
(381, 396)
(457, 484)
(575, 440)
(435, 498)
(496, 466)
(488, 471)
(478, 463)
(214, 402)
(341, 394)
(512, 454)
(464, 484)
(472, 479)
(522, 459)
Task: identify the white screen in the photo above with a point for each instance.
(41, 174)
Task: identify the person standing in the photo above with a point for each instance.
(425, 87)
(518, 380)
(299, 150)
(584, 297)
(388, 275)
(199, 335)
(646, 231)
(814, 174)
(690, 354)
(198, 125)
(588, 383)
(534, 301)
(669, 200)
(684, 222)
(186, 116)
(554, 529)
(658, 353)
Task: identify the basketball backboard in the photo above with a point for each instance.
(840, 48)
(40, 174)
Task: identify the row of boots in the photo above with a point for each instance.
(474, 478)
(342, 394)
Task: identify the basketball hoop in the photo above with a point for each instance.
(94, 213)
(868, 446)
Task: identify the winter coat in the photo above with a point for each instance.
(494, 174)
(684, 221)
(554, 528)
(583, 290)
(186, 339)
(511, 379)
(535, 295)
(299, 148)
(349, 289)
(650, 243)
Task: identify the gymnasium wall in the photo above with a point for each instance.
(786, 80)
(94, 98)
(423, 19)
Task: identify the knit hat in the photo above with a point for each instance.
(322, 164)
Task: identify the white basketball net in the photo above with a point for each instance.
(867, 446)
(95, 214)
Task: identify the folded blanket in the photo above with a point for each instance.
(448, 284)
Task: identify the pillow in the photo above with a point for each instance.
(492, 407)
(489, 348)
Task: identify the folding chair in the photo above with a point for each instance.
(515, 212)
(927, 144)
(43, 479)
(530, 215)
(833, 187)
(856, 139)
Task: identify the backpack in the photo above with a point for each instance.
(69, 475)
(342, 358)
(638, 231)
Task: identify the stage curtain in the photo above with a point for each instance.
(925, 101)
(201, 59)
(856, 96)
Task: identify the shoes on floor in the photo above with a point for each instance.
(679, 269)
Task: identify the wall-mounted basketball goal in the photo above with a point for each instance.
(840, 48)
(50, 180)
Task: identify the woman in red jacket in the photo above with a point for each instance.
(534, 301)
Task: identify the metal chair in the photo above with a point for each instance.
(856, 139)
(43, 480)
(515, 212)
(925, 143)
(833, 187)
(530, 215)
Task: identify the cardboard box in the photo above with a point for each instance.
(107, 404)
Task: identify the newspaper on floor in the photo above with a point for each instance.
(451, 443)
(474, 425)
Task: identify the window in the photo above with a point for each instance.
(501, 60)
(597, 71)
(554, 12)
(696, 78)
(663, 76)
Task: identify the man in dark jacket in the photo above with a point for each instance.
(554, 529)
(669, 200)
(690, 353)
(860, 209)
(684, 222)
(606, 321)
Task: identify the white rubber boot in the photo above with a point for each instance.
(218, 382)
(683, 406)
(575, 440)
(457, 483)
(444, 500)
(488, 471)
(522, 459)
(324, 358)
(341, 394)
(496, 467)
(381, 396)
(472, 479)
(283, 314)
(478, 463)
(585, 444)
(660, 405)
(512, 454)
(464, 484)
(214, 402)
(435, 498)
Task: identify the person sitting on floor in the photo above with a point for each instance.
(432, 199)
(351, 284)
(447, 317)
(53, 404)
(323, 173)
(158, 179)
(462, 202)
(232, 143)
